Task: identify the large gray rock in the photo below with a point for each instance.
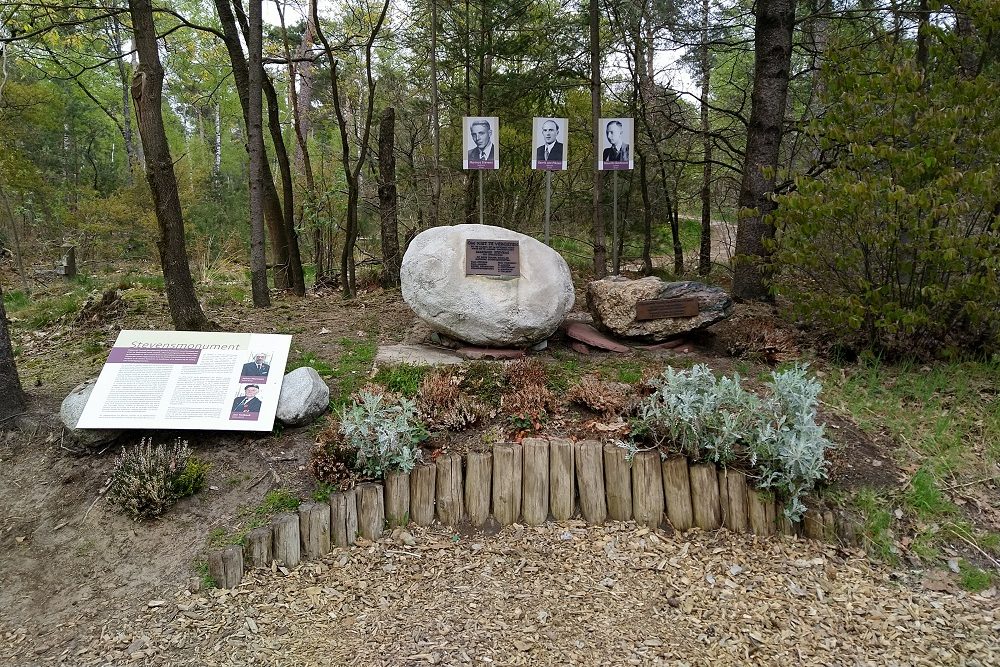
(304, 397)
(70, 411)
(485, 310)
(612, 302)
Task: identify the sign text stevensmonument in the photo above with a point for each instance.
(656, 309)
(492, 258)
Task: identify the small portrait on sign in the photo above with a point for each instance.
(616, 144)
(246, 406)
(549, 138)
(256, 369)
(481, 143)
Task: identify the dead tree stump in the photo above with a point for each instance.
(506, 483)
(314, 528)
(371, 510)
(705, 496)
(422, 481)
(397, 498)
(257, 550)
(478, 482)
(618, 483)
(590, 479)
(449, 490)
(647, 489)
(677, 493)
(286, 547)
(535, 496)
(561, 479)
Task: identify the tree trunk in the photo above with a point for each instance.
(647, 219)
(255, 143)
(600, 251)
(435, 123)
(147, 94)
(775, 20)
(241, 77)
(10, 383)
(388, 203)
(705, 253)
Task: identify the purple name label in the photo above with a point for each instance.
(549, 165)
(612, 166)
(481, 164)
(146, 355)
(244, 416)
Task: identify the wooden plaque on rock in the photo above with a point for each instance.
(492, 258)
(658, 309)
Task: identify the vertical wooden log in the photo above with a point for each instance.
(812, 524)
(397, 498)
(761, 519)
(738, 519)
(848, 528)
(226, 567)
(422, 480)
(338, 519)
(720, 475)
(449, 490)
(257, 550)
(351, 515)
(561, 479)
(829, 527)
(617, 483)
(371, 510)
(647, 489)
(286, 547)
(785, 525)
(677, 493)
(535, 496)
(478, 486)
(705, 496)
(507, 483)
(590, 480)
(314, 529)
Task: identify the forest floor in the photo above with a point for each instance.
(83, 585)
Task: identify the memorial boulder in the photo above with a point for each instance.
(654, 310)
(70, 411)
(486, 285)
(304, 397)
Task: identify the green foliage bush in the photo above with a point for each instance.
(716, 419)
(385, 432)
(897, 246)
(148, 478)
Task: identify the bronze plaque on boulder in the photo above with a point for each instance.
(658, 309)
(492, 258)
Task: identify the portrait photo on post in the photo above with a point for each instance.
(481, 142)
(615, 151)
(549, 137)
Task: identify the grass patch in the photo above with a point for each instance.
(924, 497)
(310, 359)
(200, 568)
(877, 525)
(974, 579)
(402, 379)
(248, 518)
(352, 367)
(15, 300)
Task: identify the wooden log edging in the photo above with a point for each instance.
(531, 482)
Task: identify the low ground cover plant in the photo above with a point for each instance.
(148, 478)
(775, 436)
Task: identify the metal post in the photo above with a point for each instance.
(614, 226)
(480, 196)
(548, 203)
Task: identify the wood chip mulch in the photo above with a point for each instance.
(556, 595)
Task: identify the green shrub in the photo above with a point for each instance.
(716, 419)
(897, 246)
(386, 433)
(148, 478)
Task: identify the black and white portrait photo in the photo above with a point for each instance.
(481, 143)
(616, 144)
(549, 137)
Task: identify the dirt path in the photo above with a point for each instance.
(612, 595)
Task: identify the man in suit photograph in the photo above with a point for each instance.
(618, 150)
(248, 402)
(552, 149)
(482, 137)
(257, 367)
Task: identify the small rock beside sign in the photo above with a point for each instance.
(615, 305)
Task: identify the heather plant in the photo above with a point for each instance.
(148, 478)
(716, 419)
(385, 433)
